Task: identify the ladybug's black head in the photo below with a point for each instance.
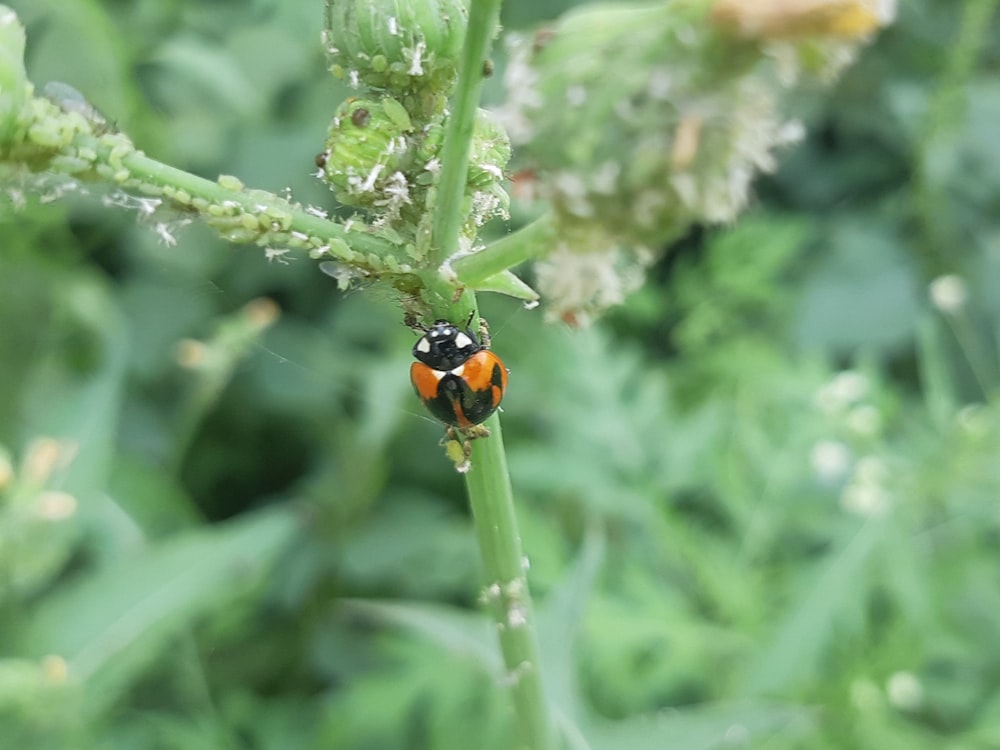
(445, 347)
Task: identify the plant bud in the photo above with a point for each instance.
(490, 152)
(652, 148)
(639, 120)
(367, 147)
(488, 155)
(399, 46)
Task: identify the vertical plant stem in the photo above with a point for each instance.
(492, 500)
(448, 214)
(488, 483)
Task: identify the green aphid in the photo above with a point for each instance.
(70, 100)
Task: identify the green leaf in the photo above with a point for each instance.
(558, 624)
(81, 405)
(81, 45)
(702, 728)
(865, 291)
(506, 282)
(457, 631)
(141, 600)
(799, 641)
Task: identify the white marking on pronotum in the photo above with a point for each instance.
(462, 341)
(457, 372)
(423, 346)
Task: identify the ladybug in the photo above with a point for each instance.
(460, 381)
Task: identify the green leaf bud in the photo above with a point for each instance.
(367, 151)
(399, 46)
(490, 152)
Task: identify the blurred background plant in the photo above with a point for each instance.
(761, 495)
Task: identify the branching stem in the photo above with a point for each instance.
(488, 483)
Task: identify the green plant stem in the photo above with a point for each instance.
(449, 211)
(280, 219)
(238, 213)
(488, 483)
(492, 501)
(526, 243)
(151, 171)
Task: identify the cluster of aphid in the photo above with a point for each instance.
(693, 111)
(382, 155)
(627, 161)
(382, 147)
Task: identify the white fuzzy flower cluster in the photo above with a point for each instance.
(579, 285)
(949, 293)
(867, 493)
(636, 127)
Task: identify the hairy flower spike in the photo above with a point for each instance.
(675, 137)
(377, 159)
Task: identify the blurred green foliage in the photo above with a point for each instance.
(760, 500)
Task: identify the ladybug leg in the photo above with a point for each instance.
(476, 431)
